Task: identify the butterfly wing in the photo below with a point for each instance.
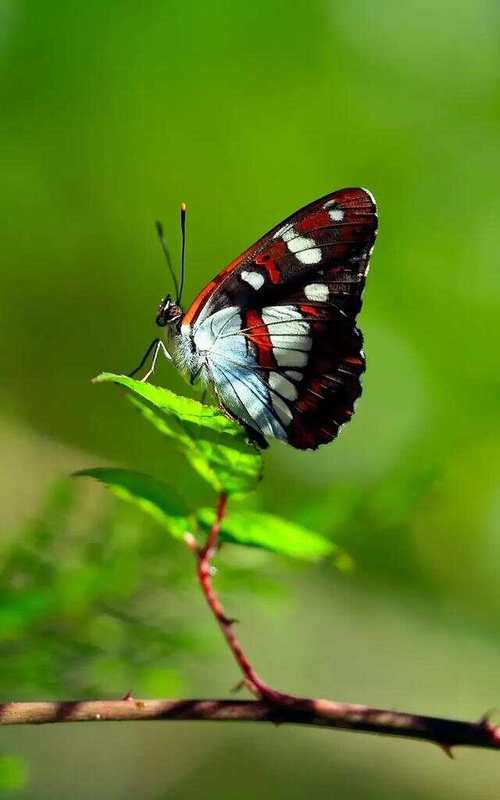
(277, 326)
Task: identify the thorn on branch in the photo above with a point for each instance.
(446, 748)
(228, 620)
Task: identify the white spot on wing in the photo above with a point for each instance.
(290, 358)
(302, 247)
(335, 213)
(284, 319)
(282, 341)
(312, 256)
(283, 386)
(296, 376)
(288, 232)
(255, 279)
(286, 328)
(317, 292)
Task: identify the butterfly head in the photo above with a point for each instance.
(169, 312)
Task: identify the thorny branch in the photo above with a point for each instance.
(446, 733)
(271, 706)
(204, 557)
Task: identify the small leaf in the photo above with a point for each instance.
(215, 446)
(151, 495)
(258, 529)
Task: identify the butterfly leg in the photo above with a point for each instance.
(155, 346)
(159, 346)
(145, 357)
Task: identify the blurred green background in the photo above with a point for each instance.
(112, 114)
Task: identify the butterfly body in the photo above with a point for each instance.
(274, 333)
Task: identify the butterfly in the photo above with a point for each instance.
(274, 334)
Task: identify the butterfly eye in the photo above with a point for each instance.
(168, 312)
(163, 315)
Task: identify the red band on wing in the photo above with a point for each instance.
(312, 311)
(259, 336)
(268, 258)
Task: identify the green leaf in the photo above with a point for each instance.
(151, 495)
(215, 446)
(258, 529)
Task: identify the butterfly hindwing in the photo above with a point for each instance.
(277, 326)
(314, 360)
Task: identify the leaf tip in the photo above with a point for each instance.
(103, 377)
(81, 473)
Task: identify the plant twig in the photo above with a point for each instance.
(273, 706)
(204, 557)
(446, 733)
(291, 708)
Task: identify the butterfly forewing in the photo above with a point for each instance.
(277, 326)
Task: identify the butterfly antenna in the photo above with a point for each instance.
(166, 253)
(183, 248)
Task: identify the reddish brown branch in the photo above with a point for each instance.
(323, 713)
(204, 556)
(273, 706)
(290, 708)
